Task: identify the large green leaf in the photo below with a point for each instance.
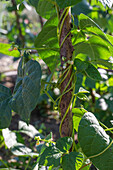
(93, 140)
(64, 144)
(46, 8)
(90, 26)
(50, 157)
(27, 89)
(86, 22)
(95, 48)
(5, 110)
(4, 49)
(73, 161)
(66, 3)
(47, 43)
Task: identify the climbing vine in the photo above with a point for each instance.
(71, 49)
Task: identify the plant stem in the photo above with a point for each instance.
(66, 52)
(4, 163)
(28, 163)
(85, 165)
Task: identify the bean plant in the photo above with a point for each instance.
(68, 47)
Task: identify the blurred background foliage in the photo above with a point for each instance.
(19, 23)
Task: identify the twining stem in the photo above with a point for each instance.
(66, 51)
(106, 128)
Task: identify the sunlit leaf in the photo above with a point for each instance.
(79, 112)
(87, 24)
(21, 150)
(64, 144)
(29, 130)
(76, 121)
(73, 161)
(94, 47)
(4, 49)
(50, 157)
(82, 96)
(16, 148)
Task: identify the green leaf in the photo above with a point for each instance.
(76, 121)
(16, 148)
(47, 43)
(77, 115)
(80, 65)
(5, 110)
(27, 89)
(89, 25)
(86, 165)
(50, 157)
(19, 1)
(42, 147)
(73, 161)
(9, 138)
(93, 140)
(93, 73)
(64, 144)
(79, 112)
(34, 3)
(46, 8)
(66, 3)
(110, 38)
(86, 22)
(29, 130)
(21, 150)
(4, 49)
(82, 90)
(78, 82)
(82, 96)
(90, 82)
(94, 47)
(77, 36)
(102, 63)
